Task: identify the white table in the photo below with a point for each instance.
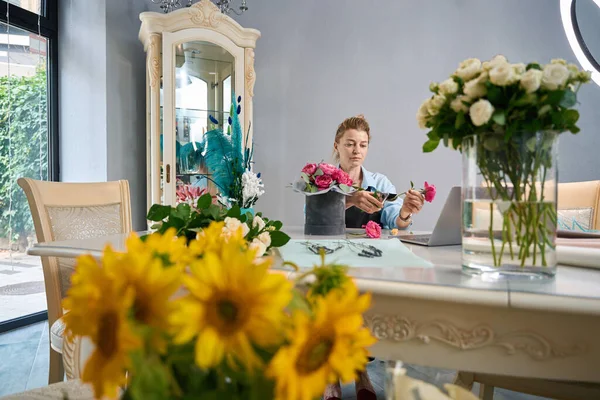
(441, 318)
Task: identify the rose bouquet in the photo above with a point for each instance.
(325, 187)
(207, 319)
(505, 119)
(323, 176)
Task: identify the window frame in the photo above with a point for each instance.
(48, 28)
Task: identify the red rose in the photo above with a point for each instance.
(429, 192)
(309, 169)
(373, 230)
(323, 181)
(342, 177)
(327, 169)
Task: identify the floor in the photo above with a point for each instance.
(24, 366)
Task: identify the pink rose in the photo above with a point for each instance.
(373, 230)
(323, 181)
(327, 169)
(429, 192)
(342, 177)
(309, 169)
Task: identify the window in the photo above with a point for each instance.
(28, 148)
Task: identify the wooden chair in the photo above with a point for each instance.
(65, 211)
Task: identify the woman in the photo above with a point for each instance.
(350, 149)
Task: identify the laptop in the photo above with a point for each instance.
(447, 230)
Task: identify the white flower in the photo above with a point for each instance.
(258, 222)
(458, 104)
(233, 224)
(433, 87)
(573, 71)
(265, 237)
(531, 80)
(251, 188)
(468, 69)
(502, 75)
(423, 114)
(435, 104)
(258, 246)
(519, 68)
(554, 76)
(584, 76)
(476, 88)
(558, 61)
(494, 62)
(448, 87)
(481, 111)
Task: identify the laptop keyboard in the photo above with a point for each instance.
(418, 238)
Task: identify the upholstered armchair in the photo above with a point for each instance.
(66, 211)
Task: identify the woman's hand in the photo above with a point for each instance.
(413, 203)
(365, 201)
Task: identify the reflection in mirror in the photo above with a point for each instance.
(581, 21)
(203, 95)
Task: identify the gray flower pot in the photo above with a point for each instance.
(325, 214)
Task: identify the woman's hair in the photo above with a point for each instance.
(358, 122)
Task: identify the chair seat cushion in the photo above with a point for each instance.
(57, 331)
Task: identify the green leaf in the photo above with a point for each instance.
(499, 117)
(278, 238)
(204, 201)
(531, 144)
(319, 172)
(277, 224)
(151, 379)
(430, 146)
(432, 135)
(412, 185)
(460, 120)
(533, 66)
(555, 97)
(158, 212)
(569, 99)
(574, 129)
(299, 303)
(494, 94)
(446, 140)
(305, 177)
(234, 212)
(183, 210)
(571, 117)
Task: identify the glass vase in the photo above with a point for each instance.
(509, 190)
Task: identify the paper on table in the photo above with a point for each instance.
(395, 254)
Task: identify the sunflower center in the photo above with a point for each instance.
(314, 354)
(141, 310)
(227, 311)
(107, 334)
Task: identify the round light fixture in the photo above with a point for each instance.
(582, 52)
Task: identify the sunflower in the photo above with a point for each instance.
(234, 303)
(330, 346)
(214, 237)
(170, 249)
(98, 303)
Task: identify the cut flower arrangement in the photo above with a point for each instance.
(505, 118)
(321, 178)
(176, 320)
(189, 220)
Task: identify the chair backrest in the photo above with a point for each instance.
(580, 197)
(65, 211)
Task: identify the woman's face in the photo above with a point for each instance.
(352, 148)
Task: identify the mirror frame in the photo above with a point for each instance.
(582, 53)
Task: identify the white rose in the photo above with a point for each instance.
(423, 115)
(468, 69)
(502, 75)
(573, 71)
(433, 87)
(519, 68)
(435, 104)
(494, 62)
(265, 237)
(531, 80)
(481, 111)
(448, 87)
(233, 224)
(258, 246)
(584, 76)
(258, 222)
(476, 87)
(458, 104)
(558, 61)
(554, 76)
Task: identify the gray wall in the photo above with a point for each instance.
(321, 61)
(102, 96)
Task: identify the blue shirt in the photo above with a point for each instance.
(391, 209)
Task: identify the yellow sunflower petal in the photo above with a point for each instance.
(209, 349)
